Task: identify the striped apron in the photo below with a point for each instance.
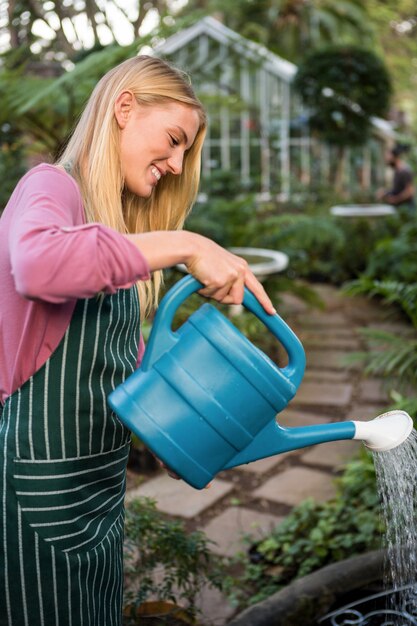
(63, 456)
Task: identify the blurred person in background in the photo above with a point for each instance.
(402, 192)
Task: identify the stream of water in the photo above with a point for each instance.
(396, 472)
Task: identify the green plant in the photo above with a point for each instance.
(404, 403)
(394, 256)
(223, 184)
(43, 109)
(344, 86)
(313, 243)
(229, 221)
(163, 560)
(314, 534)
(392, 356)
(392, 292)
(11, 165)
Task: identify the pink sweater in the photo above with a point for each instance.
(49, 257)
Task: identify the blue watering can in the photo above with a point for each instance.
(205, 399)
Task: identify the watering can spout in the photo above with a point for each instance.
(275, 439)
(385, 432)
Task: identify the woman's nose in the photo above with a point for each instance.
(175, 163)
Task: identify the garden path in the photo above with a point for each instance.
(251, 499)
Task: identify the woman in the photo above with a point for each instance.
(80, 240)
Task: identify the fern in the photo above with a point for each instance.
(391, 356)
(393, 292)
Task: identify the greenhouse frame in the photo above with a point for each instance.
(258, 128)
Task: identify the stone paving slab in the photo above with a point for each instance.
(372, 390)
(324, 394)
(324, 375)
(329, 359)
(294, 485)
(291, 418)
(175, 497)
(324, 319)
(365, 412)
(289, 304)
(343, 332)
(214, 607)
(322, 341)
(333, 454)
(264, 465)
(396, 328)
(229, 529)
(332, 296)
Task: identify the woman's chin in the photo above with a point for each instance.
(144, 191)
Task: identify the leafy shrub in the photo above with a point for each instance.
(394, 257)
(393, 292)
(391, 355)
(229, 222)
(405, 403)
(223, 184)
(311, 242)
(390, 277)
(11, 162)
(155, 545)
(344, 86)
(319, 246)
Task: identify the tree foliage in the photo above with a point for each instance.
(290, 27)
(60, 30)
(44, 108)
(38, 112)
(395, 22)
(344, 86)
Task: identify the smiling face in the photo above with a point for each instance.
(153, 141)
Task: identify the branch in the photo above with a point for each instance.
(91, 9)
(142, 12)
(60, 37)
(13, 31)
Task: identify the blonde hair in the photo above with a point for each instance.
(93, 152)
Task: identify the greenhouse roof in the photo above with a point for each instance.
(252, 51)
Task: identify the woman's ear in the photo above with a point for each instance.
(123, 107)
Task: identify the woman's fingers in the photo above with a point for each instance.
(253, 284)
(225, 276)
(233, 293)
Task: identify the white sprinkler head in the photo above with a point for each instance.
(384, 432)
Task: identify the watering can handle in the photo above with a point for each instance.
(163, 338)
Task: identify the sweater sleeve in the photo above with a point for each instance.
(54, 255)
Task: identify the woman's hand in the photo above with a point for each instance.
(223, 274)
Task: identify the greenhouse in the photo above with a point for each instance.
(258, 127)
